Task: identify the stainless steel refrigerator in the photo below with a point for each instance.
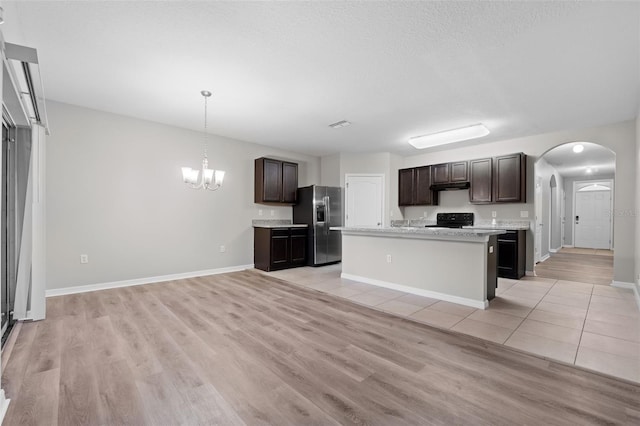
(320, 207)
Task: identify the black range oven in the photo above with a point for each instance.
(452, 220)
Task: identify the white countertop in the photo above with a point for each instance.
(504, 224)
(291, 225)
(505, 227)
(276, 223)
(448, 234)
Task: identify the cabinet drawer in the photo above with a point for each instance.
(298, 232)
(509, 236)
(280, 232)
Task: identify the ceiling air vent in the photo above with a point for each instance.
(341, 123)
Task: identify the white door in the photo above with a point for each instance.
(592, 219)
(364, 199)
(538, 221)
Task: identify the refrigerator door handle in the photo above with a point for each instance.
(327, 222)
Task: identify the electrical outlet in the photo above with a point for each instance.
(524, 213)
(84, 258)
(494, 214)
(388, 258)
(223, 249)
(259, 212)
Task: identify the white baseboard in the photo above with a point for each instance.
(543, 258)
(567, 245)
(530, 273)
(141, 281)
(631, 286)
(418, 291)
(4, 405)
(554, 250)
(622, 284)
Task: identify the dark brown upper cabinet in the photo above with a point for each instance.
(509, 178)
(289, 182)
(449, 173)
(406, 187)
(481, 183)
(440, 173)
(458, 171)
(276, 181)
(414, 187)
(498, 180)
(424, 195)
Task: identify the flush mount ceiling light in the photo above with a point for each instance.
(449, 136)
(341, 123)
(578, 148)
(588, 170)
(211, 179)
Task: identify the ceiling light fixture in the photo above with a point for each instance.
(588, 170)
(211, 179)
(449, 136)
(341, 123)
(578, 149)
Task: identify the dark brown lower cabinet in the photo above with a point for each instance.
(279, 248)
(511, 254)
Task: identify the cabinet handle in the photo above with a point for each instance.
(327, 220)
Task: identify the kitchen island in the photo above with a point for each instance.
(455, 265)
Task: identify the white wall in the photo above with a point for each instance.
(551, 235)
(330, 170)
(636, 212)
(619, 137)
(557, 199)
(115, 192)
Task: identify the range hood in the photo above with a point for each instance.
(451, 186)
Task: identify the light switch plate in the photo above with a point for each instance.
(524, 213)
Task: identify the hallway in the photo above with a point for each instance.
(575, 264)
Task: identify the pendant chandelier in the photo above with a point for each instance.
(210, 179)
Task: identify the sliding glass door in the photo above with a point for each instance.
(7, 227)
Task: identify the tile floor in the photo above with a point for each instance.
(592, 326)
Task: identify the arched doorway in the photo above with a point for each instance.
(573, 207)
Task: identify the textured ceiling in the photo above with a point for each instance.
(281, 72)
(599, 159)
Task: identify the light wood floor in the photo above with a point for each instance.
(581, 265)
(245, 348)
